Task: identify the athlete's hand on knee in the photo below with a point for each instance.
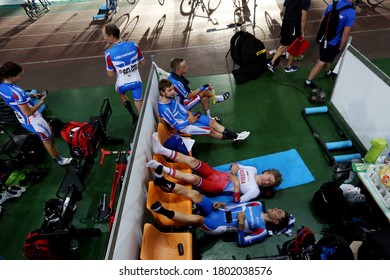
(219, 205)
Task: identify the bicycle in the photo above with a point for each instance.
(33, 10)
(131, 2)
(189, 6)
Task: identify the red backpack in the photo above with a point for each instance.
(78, 136)
(36, 248)
(302, 246)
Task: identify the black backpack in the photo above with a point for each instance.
(329, 24)
(246, 49)
(334, 247)
(250, 54)
(329, 202)
(376, 246)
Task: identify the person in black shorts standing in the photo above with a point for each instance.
(294, 16)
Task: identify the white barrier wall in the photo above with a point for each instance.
(126, 235)
(362, 96)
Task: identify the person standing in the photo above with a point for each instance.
(26, 112)
(122, 60)
(330, 49)
(294, 18)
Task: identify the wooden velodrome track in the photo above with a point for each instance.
(64, 48)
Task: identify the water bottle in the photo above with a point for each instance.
(377, 147)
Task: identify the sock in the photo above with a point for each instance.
(328, 72)
(159, 168)
(227, 134)
(208, 113)
(308, 82)
(166, 185)
(163, 211)
(160, 149)
(58, 159)
(130, 109)
(219, 98)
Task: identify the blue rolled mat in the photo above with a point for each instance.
(289, 163)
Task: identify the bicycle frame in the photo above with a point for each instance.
(33, 10)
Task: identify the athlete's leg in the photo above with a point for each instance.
(136, 91)
(138, 105)
(187, 219)
(177, 174)
(206, 105)
(174, 155)
(218, 131)
(126, 102)
(41, 128)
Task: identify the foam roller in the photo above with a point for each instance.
(316, 110)
(343, 158)
(338, 144)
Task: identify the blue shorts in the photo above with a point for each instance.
(135, 88)
(201, 127)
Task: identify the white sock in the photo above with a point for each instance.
(160, 149)
(219, 98)
(208, 113)
(154, 164)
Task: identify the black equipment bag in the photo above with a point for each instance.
(329, 202)
(334, 247)
(250, 54)
(376, 246)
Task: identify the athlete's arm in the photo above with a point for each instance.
(234, 168)
(344, 37)
(254, 237)
(303, 23)
(110, 73)
(27, 110)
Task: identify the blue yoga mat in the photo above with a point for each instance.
(289, 163)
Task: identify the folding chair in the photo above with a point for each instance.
(157, 245)
(171, 201)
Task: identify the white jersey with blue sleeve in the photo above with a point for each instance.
(124, 57)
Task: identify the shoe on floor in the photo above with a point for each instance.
(11, 194)
(17, 189)
(3, 198)
(311, 85)
(329, 75)
(225, 97)
(65, 161)
(271, 67)
(291, 69)
(242, 136)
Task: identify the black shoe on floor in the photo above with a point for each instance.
(311, 85)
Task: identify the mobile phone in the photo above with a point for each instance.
(228, 215)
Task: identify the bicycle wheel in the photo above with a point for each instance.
(45, 4)
(213, 5)
(240, 3)
(187, 7)
(31, 13)
(239, 17)
(375, 2)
